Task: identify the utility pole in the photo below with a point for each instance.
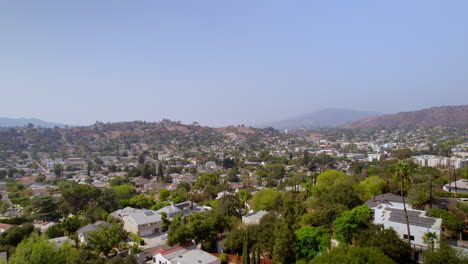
(430, 191)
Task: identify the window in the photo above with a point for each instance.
(406, 237)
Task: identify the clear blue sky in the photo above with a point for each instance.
(228, 62)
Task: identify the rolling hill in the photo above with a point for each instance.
(21, 122)
(327, 118)
(444, 116)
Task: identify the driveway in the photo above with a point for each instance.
(154, 240)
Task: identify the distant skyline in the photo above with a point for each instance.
(228, 62)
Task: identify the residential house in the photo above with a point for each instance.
(59, 241)
(184, 255)
(142, 222)
(393, 200)
(253, 218)
(461, 186)
(84, 231)
(4, 227)
(420, 224)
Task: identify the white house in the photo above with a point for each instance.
(462, 186)
(253, 218)
(420, 224)
(184, 255)
(142, 222)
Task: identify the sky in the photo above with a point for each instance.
(228, 62)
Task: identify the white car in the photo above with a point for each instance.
(463, 199)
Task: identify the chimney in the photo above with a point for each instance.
(373, 198)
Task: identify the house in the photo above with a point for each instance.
(141, 222)
(184, 255)
(253, 218)
(461, 186)
(184, 208)
(4, 227)
(84, 231)
(420, 224)
(393, 200)
(43, 226)
(59, 241)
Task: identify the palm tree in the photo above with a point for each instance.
(402, 174)
(430, 239)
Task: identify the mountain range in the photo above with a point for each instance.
(326, 118)
(21, 122)
(444, 116)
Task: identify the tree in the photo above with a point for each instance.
(229, 205)
(44, 208)
(107, 238)
(430, 238)
(164, 194)
(284, 239)
(78, 198)
(40, 178)
(14, 235)
(116, 181)
(58, 170)
(311, 241)
(245, 251)
(264, 199)
(350, 223)
(372, 185)
(388, 241)
(450, 221)
(178, 233)
(445, 254)
(142, 201)
(39, 250)
(402, 174)
(366, 255)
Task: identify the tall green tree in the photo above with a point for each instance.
(368, 255)
(284, 240)
(38, 250)
(311, 241)
(107, 238)
(351, 223)
(245, 251)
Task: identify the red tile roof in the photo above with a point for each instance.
(4, 226)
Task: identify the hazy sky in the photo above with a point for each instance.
(228, 62)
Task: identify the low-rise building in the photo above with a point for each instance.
(420, 224)
(253, 218)
(84, 231)
(184, 255)
(460, 186)
(142, 222)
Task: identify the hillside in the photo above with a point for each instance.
(21, 122)
(445, 116)
(327, 118)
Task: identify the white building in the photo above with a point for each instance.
(420, 224)
(462, 186)
(440, 161)
(184, 255)
(253, 218)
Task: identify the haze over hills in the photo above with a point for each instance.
(327, 118)
(446, 116)
(21, 122)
